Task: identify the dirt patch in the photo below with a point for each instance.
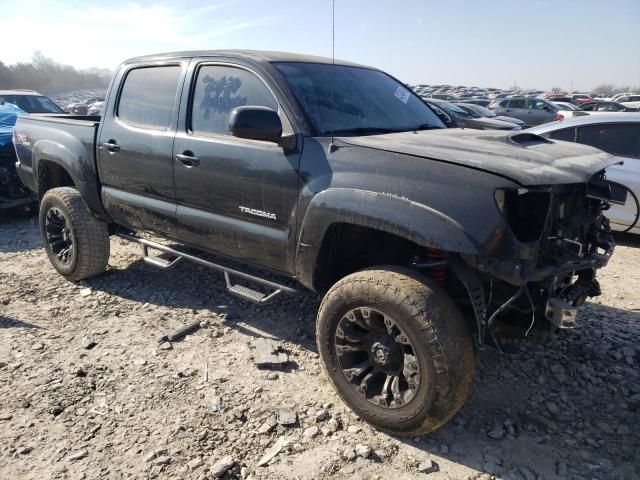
(88, 391)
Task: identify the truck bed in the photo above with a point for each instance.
(38, 136)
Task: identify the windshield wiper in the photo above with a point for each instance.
(426, 126)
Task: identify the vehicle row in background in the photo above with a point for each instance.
(455, 116)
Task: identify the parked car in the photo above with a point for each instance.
(418, 237)
(552, 97)
(617, 96)
(445, 96)
(567, 106)
(30, 101)
(483, 102)
(581, 97)
(81, 108)
(14, 196)
(456, 117)
(630, 101)
(619, 135)
(532, 111)
(95, 108)
(606, 106)
(486, 113)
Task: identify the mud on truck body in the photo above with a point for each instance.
(424, 243)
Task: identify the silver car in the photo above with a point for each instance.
(619, 135)
(532, 111)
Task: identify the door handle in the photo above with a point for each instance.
(188, 159)
(112, 146)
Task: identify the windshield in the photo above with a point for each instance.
(469, 111)
(485, 112)
(365, 101)
(32, 103)
(452, 109)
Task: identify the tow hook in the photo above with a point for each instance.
(560, 313)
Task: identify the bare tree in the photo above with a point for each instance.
(47, 76)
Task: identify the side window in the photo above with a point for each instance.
(537, 104)
(622, 139)
(516, 103)
(220, 89)
(148, 96)
(566, 134)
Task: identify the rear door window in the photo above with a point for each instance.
(219, 89)
(618, 139)
(516, 103)
(148, 96)
(537, 104)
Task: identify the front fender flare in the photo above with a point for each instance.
(380, 211)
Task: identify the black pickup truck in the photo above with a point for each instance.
(425, 242)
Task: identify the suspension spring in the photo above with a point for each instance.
(438, 272)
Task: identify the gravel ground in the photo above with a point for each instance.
(87, 390)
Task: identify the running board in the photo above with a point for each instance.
(243, 292)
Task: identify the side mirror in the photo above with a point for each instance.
(255, 123)
(547, 108)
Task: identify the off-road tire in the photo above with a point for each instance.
(434, 325)
(90, 236)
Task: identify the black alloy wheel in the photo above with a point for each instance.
(377, 357)
(59, 236)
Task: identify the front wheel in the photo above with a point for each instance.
(396, 349)
(76, 242)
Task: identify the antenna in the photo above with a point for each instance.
(332, 146)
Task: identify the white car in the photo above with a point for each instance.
(619, 135)
(618, 95)
(631, 100)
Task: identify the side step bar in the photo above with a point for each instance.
(241, 291)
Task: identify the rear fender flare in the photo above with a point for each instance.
(80, 169)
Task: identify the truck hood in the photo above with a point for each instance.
(523, 157)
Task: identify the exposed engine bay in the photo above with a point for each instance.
(564, 238)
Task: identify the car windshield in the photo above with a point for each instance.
(32, 103)
(364, 101)
(452, 109)
(469, 111)
(485, 112)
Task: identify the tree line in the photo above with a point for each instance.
(49, 77)
(608, 89)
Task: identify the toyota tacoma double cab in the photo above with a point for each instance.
(425, 243)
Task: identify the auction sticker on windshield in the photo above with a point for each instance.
(402, 94)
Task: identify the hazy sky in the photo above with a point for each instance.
(536, 43)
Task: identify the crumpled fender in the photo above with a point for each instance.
(381, 211)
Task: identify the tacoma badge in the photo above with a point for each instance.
(258, 213)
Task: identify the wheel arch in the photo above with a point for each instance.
(386, 216)
(57, 165)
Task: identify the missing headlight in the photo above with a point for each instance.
(525, 211)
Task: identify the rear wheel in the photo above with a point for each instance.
(396, 349)
(76, 242)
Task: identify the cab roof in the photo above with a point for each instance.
(259, 56)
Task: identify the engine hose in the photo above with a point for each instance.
(635, 199)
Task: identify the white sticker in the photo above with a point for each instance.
(402, 94)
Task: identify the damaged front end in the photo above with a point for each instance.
(561, 237)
